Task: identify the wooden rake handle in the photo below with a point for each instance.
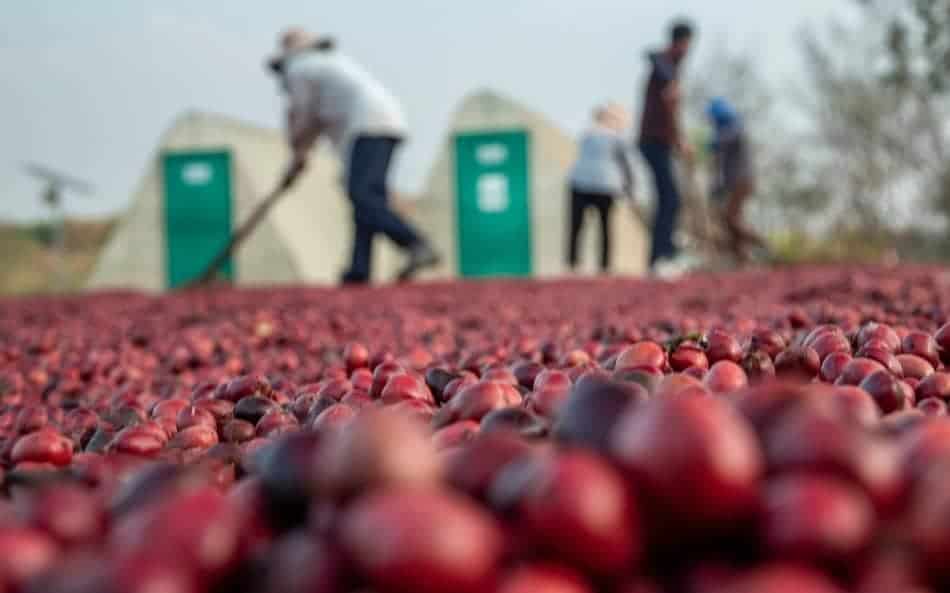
(238, 238)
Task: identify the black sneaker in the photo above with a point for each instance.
(421, 256)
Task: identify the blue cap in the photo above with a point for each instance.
(721, 112)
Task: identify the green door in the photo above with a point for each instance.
(493, 202)
(197, 213)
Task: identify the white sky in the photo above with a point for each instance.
(88, 87)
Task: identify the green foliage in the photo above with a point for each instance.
(841, 246)
(940, 194)
(28, 265)
(922, 246)
(918, 43)
(44, 234)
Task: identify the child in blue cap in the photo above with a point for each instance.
(733, 179)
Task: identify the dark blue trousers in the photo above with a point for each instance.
(659, 157)
(366, 185)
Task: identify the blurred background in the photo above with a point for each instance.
(845, 103)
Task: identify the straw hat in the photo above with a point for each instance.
(290, 41)
(613, 115)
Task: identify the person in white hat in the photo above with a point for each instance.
(602, 172)
(330, 95)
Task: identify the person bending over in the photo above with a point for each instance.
(733, 177)
(330, 95)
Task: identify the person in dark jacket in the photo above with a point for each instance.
(733, 177)
(661, 137)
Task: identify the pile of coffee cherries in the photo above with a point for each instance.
(780, 431)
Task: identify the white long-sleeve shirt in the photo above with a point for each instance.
(330, 94)
(603, 164)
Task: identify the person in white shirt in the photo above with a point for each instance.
(330, 95)
(602, 172)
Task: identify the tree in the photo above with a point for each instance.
(856, 147)
(859, 129)
(788, 192)
(916, 39)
